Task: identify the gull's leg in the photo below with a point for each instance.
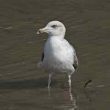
(49, 80)
(73, 100)
(69, 82)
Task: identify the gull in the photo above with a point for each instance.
(58, 55)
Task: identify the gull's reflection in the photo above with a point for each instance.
(73, 100)
(49, 93)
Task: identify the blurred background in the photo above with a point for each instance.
(22, 85)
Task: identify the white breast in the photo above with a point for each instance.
(58, 54)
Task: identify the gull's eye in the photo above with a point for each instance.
(54, 26)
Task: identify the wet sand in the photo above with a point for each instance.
(22, 85)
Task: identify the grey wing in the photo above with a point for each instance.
(75, 64)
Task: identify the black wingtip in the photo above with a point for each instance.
(75, 66)
(42, 57)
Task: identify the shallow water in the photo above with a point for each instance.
(23, 86)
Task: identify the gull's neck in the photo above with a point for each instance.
(59, 36)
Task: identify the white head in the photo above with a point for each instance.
(54, 28)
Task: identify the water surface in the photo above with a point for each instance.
(22, 85)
